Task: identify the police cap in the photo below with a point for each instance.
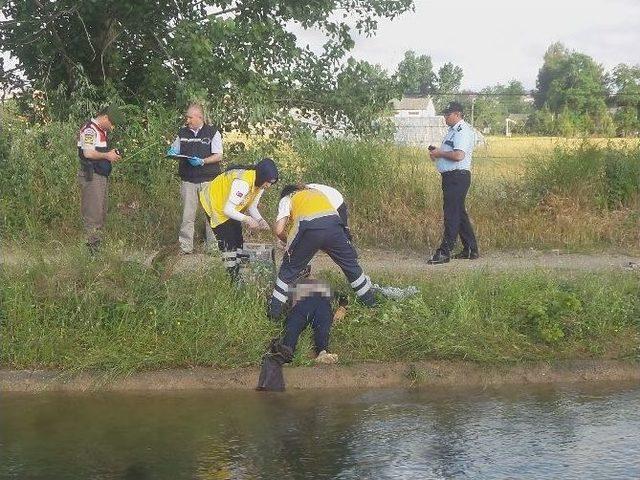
(453, 107)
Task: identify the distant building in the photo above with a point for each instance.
(418, 125)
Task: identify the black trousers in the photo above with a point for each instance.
(230, 242)
(344, 215)
(455, 185)
(314, 310)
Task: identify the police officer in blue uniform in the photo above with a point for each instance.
(453, 161)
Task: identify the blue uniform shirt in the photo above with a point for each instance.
(459, 137)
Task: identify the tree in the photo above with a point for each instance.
(625, 84)
(362, 91)
(448, 83)
(415, 75)
(241, 51)
(555, 55)
(572, 85)
(496, 103)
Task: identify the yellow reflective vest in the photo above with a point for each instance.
(307, 205)
(215, 196)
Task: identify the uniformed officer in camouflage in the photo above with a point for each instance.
(96, 157)
(453, 161)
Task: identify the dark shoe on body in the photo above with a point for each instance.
(438, 258)
(466, 254)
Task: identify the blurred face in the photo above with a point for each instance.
(452, 118)
(194, 119)
(105, 123)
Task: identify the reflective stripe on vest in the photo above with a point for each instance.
(215, 196)
(307, 205)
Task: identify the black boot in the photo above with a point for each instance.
(466, 254)
(438, 258)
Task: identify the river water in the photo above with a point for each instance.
(556, 432)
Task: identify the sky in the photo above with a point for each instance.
(495, 41)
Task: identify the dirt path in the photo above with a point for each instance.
(384, 261)
(365, 375)
(412, 263)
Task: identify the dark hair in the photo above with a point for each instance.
(290, 188)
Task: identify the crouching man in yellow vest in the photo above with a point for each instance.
(315, 225)
(225, 200)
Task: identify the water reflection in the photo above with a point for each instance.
(533, 432)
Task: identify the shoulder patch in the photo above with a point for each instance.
(88, 137)
(459, 128)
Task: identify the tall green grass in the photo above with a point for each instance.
(116, 316)
(575, 197)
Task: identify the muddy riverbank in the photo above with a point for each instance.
(365, 375)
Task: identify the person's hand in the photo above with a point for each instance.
(435, 153)
(252, 222)
(113, 156)
(173, 151)
(281, 245)
(195, 161)
(264, 225)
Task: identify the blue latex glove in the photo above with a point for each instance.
(173, 151)
(195, 161)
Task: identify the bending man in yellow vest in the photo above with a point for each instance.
(315, 225)
(225, 200)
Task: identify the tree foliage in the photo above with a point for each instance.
(573, 87)
(625, 85)
(416, 78)
(571, 80)
(240, 54)
(496, 103)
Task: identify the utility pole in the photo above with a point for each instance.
(473, 107)
(507, 132)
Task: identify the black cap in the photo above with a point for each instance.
(266, 171)
(453, 107)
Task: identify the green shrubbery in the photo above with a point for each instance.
(608, 177)
(119, 316)
(578, 198)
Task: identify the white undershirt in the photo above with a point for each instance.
(239, 190)
(335, 197)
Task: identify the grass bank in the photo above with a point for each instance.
(117, 317)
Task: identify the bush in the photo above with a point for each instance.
(607, 176)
